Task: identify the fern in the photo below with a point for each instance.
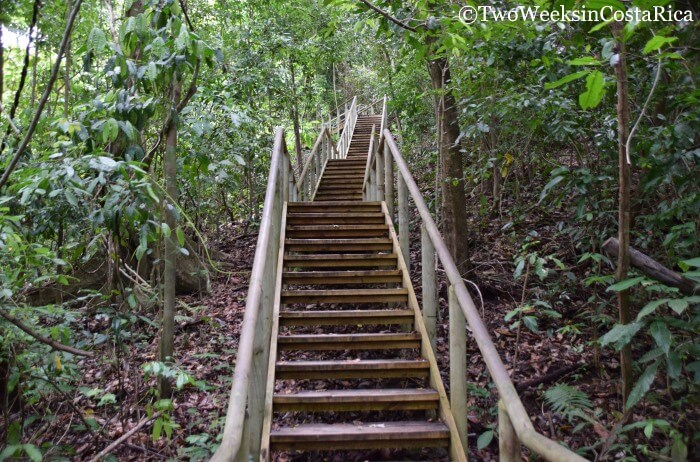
(568, 400)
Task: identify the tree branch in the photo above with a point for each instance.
(52, 343)
(45, 97)
(388, 16)
(124, 437)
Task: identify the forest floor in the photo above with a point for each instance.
(206, 343)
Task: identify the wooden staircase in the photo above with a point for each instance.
(351, 366)
(342, 178)
(334, 354)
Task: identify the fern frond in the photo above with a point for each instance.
(567, 400)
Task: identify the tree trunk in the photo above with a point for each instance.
(171, 244)
(623, 234)
(66, 85)
(454, 208)
(295, 119)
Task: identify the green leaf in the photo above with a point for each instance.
(693, 262)
(157, 429)
(33, 452)
(110, 130)
(484, 439)
(552, 183)
(9, 451)
(583, 61)
(180, 237)
(621, 334)
(600, 25)
(650, 308)
(600, 4)
(531, 323)
(661, 334)
(642, 386)
(624, 285)
(166, 229)
(594, 91)
(97, 40)
(657, 42)
(566, 79)
(678, 305)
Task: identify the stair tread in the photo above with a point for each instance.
(334, 204)
(356, 292)
(351, 364)
(336, 215)
(348, 337)
(343, 256)
(334, 227)
(367, 240)
(384, 395)
(402, 430)
(351, 314)
(335, 274)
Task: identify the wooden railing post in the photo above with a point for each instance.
(388, 180)
(458, 366)
(508, 444)
(429, 285)
(403, 220)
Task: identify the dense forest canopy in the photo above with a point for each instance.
(135, 150)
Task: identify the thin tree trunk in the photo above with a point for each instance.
(34, 73)
(623, 234)
(170, 245)
(295, 118)
(454, 207)
(66, 85)
(25, 70)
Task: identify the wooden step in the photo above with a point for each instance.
(388, 399)
(402, 434)
(341, 261)
(318, 342)
(345, 296)
(341, 277)
(315, 204)
(334, 188)
(346, 317)
(335, 218)
(334, 162)
(342, 197)
(351, 369)
(336, 231)
(338, 245)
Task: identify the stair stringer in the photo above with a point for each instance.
(457, 451)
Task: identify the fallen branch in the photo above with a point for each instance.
(550, 377)
(124, 437)
(52, 343)
(654, 269)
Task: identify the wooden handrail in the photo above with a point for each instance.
(309, 159)
(512, 405)
(275, 195)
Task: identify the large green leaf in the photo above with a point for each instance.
(642, 386)
(593, 95)
(624, 285)
(657, 42)
(661, 334)
(566, 79)
(621, 334)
